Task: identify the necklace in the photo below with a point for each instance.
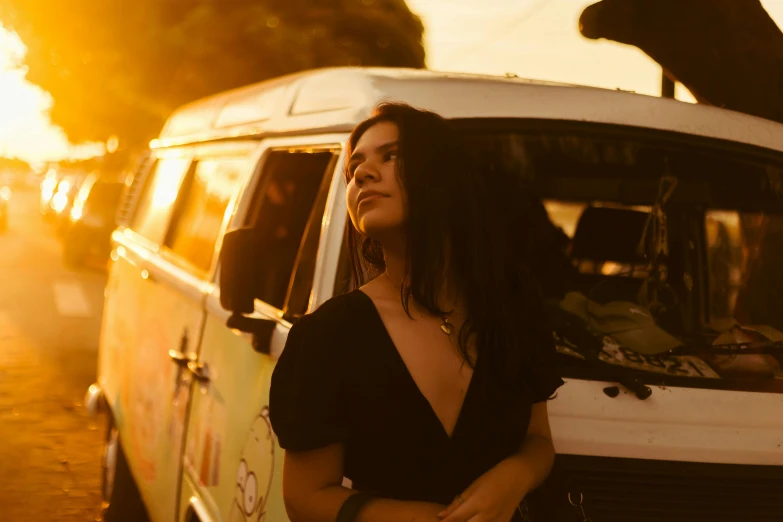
(447, 327)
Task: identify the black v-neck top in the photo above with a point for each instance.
(340, 379)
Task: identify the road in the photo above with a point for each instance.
(49, 328)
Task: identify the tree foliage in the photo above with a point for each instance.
(121, 66)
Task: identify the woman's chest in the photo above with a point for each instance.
(385, 405)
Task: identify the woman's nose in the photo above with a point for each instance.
(365, 172)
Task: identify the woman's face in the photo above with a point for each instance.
(375, 197)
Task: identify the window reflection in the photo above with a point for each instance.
(160, 192)
(726, 257)
(196, 226)
(566, 215)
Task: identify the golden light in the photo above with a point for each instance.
(81, 198)
(47, 190)
(112, 144)
(167, 183)
(78, 206)
(26, 132)
(59, 201)
(611, 268)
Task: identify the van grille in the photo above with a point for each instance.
(132, 189)
(630, 490)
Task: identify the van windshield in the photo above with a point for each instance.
(687, 230)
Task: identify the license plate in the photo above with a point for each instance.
(678, 365)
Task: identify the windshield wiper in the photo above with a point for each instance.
(574, 330)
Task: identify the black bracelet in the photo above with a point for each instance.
(352, 505)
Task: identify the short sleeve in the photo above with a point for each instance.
(305, 397)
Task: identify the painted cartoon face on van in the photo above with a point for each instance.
(254, 474)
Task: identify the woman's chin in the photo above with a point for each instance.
(379, 228)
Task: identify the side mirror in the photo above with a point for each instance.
(239, 280)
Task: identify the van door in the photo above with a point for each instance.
(135, 393)
(170, 322)
(144, 229)
(232, 462)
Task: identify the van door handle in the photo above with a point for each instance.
(179, 358)
(199, 370)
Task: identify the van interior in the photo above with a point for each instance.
(615, 215)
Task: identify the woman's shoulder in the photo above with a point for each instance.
(339, 309)
(306, 395)
(334, 320)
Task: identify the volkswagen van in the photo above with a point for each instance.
(632, 195)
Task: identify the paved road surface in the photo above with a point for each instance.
(49, 325)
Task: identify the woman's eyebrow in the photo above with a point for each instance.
(380, 148)
(387, 146)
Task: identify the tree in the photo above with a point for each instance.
(121, 67)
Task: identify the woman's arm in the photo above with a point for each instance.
(313, 492)
(533, 462)
(496, 494)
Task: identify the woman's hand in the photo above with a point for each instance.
(497, 493)
(382, 509)
(494, 497)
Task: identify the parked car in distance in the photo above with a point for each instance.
(59, 199)
(90, 222)
(48, 186)
(63, 207)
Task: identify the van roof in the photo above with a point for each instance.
(336, 99)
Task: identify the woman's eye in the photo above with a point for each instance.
(390, 156)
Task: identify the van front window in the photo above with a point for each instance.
(687, 231)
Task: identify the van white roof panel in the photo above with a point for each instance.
(336, 99)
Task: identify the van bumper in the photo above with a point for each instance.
(93, 399)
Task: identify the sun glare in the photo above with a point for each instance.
(26, 131)
(536, 39)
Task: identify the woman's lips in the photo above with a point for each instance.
(373, 197)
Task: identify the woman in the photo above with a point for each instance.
(426, 387)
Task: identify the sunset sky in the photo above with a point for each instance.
(532, 38)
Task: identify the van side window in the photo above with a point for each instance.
(343, 281)
(159, 193)
(289, 185)
(200, 209)
(301, 288)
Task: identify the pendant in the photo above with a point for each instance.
(447, 327)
